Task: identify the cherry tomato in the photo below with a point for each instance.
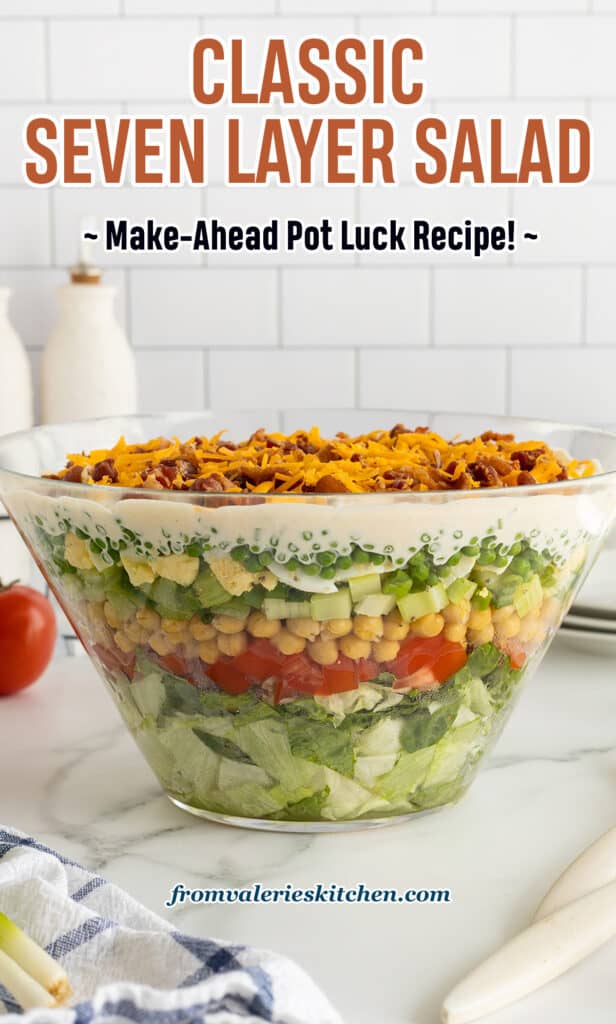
(27, 637)
(425, 662)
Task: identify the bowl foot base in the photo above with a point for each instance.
(263, 825)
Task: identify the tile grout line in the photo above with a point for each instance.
(47, 57)
(513, 55)
(313, 268)
(128, 305)
(391, 15)
(432, 307)
(50, 201)
(184, 101)
(203, 199)
(357, 191)
(508, 381)
(306, 348)
(356, 378)
(279, 309)
(207, 378)
(584, 307)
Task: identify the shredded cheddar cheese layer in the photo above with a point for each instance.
(400, 459)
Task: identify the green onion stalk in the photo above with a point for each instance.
(34, 979)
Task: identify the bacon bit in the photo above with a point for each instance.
(527, 459)
(103, 469)
(74, 474)
(305, 462)
(162, 477)
(209, 483)
(328, 453)
(464, 482)
(185, 468)
(331, 484)
(490, 435)
(484, 473)
(306, 446)
(502, 466)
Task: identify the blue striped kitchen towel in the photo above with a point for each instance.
(128, 966)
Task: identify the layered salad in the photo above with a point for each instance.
(303, 629)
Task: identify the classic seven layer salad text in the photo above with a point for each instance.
(298, 641)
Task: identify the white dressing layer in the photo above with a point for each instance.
(392, 525)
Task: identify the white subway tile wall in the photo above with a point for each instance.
(543, 306)
(240, 304)
(443, 380)
(173, 380)
(601, 306)
(348, 339)
(22, 61)
(117, 59)
(245, 378)
(367, 307)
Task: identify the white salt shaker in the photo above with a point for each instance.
(88, 365)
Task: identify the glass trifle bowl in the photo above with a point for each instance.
(310, 661)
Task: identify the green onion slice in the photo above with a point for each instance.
(33, 977)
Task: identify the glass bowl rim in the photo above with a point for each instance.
(76, 489)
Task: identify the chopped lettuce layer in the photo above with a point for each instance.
(368, 753)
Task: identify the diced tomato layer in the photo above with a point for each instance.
(420, 664)
(516, 653)
(116, 660)
(175, 664)
(366, 670)
(298, 674)
(425, 662)
(342, 676)
(259, 661)
(226, 675)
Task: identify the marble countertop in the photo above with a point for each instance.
(71, 776)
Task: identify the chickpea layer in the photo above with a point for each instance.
(362, 637)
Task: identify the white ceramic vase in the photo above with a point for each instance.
(16, 413)
(16, 403)
(88, 365)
